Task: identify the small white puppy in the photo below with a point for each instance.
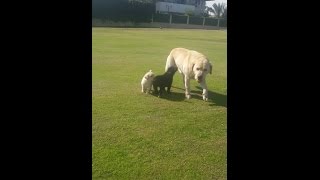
(146, 82)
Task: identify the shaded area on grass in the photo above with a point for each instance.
(215, 99)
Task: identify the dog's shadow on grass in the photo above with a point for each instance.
(215, 99)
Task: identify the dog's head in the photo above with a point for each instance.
(149, 75)
(201, 70)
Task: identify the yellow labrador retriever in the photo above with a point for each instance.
(192, 65)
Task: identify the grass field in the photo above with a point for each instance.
(140, 136)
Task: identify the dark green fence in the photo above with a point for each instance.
(223, 23)
(164, 18)
(195, 20)
(211, 22)
(179, 19)
(122, 10)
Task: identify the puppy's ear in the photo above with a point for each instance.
(150, 70)
(210, 68)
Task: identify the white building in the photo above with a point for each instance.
(181, 6)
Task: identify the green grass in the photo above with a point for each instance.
(140, 136)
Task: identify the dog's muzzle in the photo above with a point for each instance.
(199, 79)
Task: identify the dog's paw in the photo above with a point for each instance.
(188, 96)
(205, 98)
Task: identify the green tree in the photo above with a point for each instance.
(217, 9)
(224, 14)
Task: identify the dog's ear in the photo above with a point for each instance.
(150, 70)
(210, 67)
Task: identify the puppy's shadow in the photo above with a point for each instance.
(173, 96)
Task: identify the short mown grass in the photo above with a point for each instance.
(141, 136)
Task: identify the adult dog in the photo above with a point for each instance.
(192, 65)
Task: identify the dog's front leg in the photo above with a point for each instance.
(203, 84)
(187, 86)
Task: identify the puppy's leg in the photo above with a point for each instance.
(168, 89)
(203, 84)
(142, 89)
(187, 86)
(169, 86)
(155, 89)
(161, 90)
(148, 89)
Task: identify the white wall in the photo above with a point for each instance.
(171, 7)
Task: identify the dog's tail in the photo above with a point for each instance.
(170, 62)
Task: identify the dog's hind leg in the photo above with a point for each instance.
(183, 79)
(170, 62)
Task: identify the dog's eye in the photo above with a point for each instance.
(204, 69)
(197, 69)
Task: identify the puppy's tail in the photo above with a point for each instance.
(170, 62)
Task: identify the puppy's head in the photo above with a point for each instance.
(201, 70)
(149, 75)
